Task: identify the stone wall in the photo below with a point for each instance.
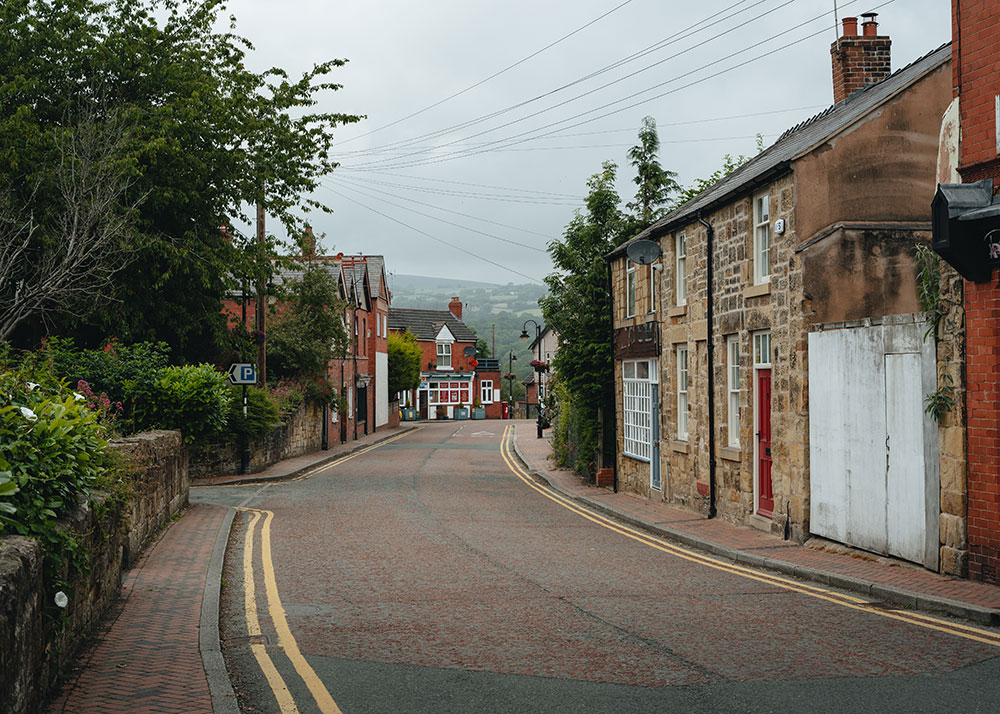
(34, 650)
(299, 434)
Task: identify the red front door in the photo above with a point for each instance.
(765, 494)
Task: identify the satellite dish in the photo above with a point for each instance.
(643, 252)
(470, 351)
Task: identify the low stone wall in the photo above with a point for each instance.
(299, 434)
(32, 654)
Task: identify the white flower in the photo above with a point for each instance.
(78, 397)
(32, 386)
(61, 599)
(28, 414)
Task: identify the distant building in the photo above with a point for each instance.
(451, 373)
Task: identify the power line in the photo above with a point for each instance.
(531, 191)
(467, 194)
(495, 74)
(448, 210)
(516, 138)
(435, 238)
(435, 218)
(617, 81)
(686, 32)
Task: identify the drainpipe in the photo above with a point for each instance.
(709, 318)
(614, 392)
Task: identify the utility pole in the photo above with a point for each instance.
(493, 352)
(261, 299)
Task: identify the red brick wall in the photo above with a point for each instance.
(459, 362)
(976, 75)
(857, 62)
(982, 305)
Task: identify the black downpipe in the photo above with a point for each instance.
(614, 392)
(709, 315)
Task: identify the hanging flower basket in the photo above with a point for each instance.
(540, 366)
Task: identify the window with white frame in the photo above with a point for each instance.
(680, 269)
(486, 391)
(762, 349)
(630, 291)
(350, 402)
(444, 355)
(449, 392)
(682, 392)
(637, 405)
(761, 239)
(652, 286)
(733, 388)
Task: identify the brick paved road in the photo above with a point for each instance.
(423, 576)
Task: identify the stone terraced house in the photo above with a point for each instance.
(770, 365)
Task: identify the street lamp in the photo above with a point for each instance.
(512, 358)
(538, 380)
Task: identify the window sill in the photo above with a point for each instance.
(637, 458)
(757, 290)
(680, 447)
(445, 369)
(729, 453)
(677, 311)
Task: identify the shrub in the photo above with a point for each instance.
(192, 398)
(51, 450)
(288, 394)
(262, 412)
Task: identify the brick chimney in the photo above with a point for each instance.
(309, 243)
(859, 60)
(455, 306)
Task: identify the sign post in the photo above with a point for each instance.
(243, 374)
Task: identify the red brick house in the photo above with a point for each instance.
(969, 171)
(451, 373)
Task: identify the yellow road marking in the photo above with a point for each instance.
(849, 601)
(355, 455)
(277, 684)
(286, 641)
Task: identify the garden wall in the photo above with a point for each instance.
(299, 434)
(114, 537)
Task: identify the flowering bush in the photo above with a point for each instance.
(107, 411)
(288, 394)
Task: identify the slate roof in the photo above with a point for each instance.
(283, 275)
(776, 160)
(426, 324)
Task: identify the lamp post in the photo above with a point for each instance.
(511, 359)
(538, 379)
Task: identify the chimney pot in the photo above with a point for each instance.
(859, 61)
(850, 27)
(870, 25)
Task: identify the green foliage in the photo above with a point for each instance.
(578, 308)
(262, 412)
(941, 401)
(404, 362)
(932, 305)
(194, 399)
(307, 331)
(51, 450)
(288, 395)
(7, 489)
(655, 184)
(205, 138)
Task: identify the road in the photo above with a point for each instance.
(431, 574)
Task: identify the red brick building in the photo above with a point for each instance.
(970, 155)
(449, 377)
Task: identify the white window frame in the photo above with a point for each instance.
(630, 291)
(761, 238)
(733, 388)
(762, 349)
(486, 391)
(682, 392)
(638, 378)
(443, 350)
(350, 402)
(680, 269)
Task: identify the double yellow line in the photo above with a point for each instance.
(855, 603)
(286, 641)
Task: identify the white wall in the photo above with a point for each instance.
(381, 389)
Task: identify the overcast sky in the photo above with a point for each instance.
(405, 56)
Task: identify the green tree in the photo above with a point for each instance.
(405, 358)
(205, 139)
(655, 184)
(578, 308)
(307, 330)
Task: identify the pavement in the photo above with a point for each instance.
(159, 650)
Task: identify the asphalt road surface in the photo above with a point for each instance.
(431, 574)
